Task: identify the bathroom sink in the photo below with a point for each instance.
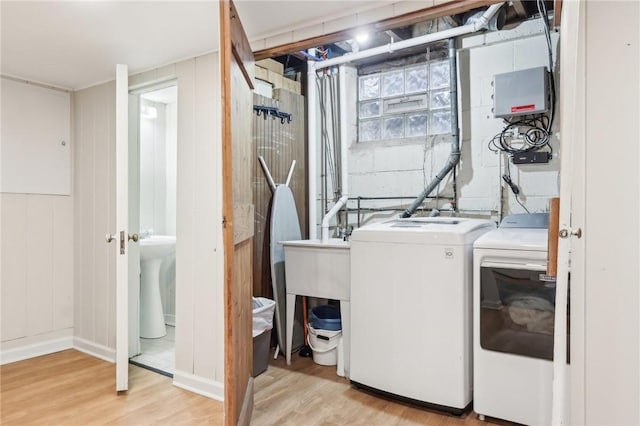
(156, 247)
(154, 251)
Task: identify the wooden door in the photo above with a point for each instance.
(238, 160)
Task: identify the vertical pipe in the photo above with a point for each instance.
(312, 147)
(344, 132)
(342, 100)
(454, 156)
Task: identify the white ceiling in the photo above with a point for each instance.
(76, 44)
(168, 95)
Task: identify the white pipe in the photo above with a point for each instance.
(312, 147)
(327, 218)
(312, 67)
(344, 129)
(481, 23)
(344, 151)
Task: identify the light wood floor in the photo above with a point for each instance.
(71, 388)
(310, 394)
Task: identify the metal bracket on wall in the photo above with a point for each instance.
(266, 111)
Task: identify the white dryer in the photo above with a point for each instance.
(514, 306)
(411, 287)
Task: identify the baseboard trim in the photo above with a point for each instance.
(206, 387)
(94, 349)
(33, 350)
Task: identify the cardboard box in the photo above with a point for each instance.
(275, 79)
(291, 85)
(271, 65)
(261, 73)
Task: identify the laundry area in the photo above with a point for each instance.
(422, 273)
(327, 212)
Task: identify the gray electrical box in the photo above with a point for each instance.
(522, 92)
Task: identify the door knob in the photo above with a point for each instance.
(110, 238)
(566, 233)
(134, 238)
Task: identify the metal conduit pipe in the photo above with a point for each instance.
(312, 67)
(344, 148)
(480, 24)
(454, 156)
(312, 149)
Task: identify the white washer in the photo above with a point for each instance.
(411, 286)
(514, 305)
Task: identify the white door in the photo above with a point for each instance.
(134, 225)
(122, 231)
(571, 202)
(600, 125)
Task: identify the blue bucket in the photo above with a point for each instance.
(326, 317)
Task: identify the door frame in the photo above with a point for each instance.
(134, 215)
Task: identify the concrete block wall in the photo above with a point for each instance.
(384, 169)
(481, 57)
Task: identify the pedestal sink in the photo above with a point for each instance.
(154, 251)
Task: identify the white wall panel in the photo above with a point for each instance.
(14, 266)
(102, 206)
(171, 167)
(94, 289)
(63, 252)
(37, 269)
(208, 230)
(199, 274)
(36, 145)
(187, 184)
(39, 238)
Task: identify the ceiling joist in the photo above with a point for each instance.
(444, 9)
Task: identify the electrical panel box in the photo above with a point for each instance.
(522, 92)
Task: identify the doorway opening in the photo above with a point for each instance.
(156, 165)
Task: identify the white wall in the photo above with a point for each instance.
(36, 236)
(94, 209)
(199, 261)
(199, 272)
(171, 128)
(153, 171)
(37, 274)
(158, 152)
(404, 169)
(483, 56)
(36, 131)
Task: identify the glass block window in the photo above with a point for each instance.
(408, 102)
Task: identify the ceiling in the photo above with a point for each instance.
(168, 95)
(76, 44)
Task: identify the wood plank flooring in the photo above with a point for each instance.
(310, 394)
(72, 388)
